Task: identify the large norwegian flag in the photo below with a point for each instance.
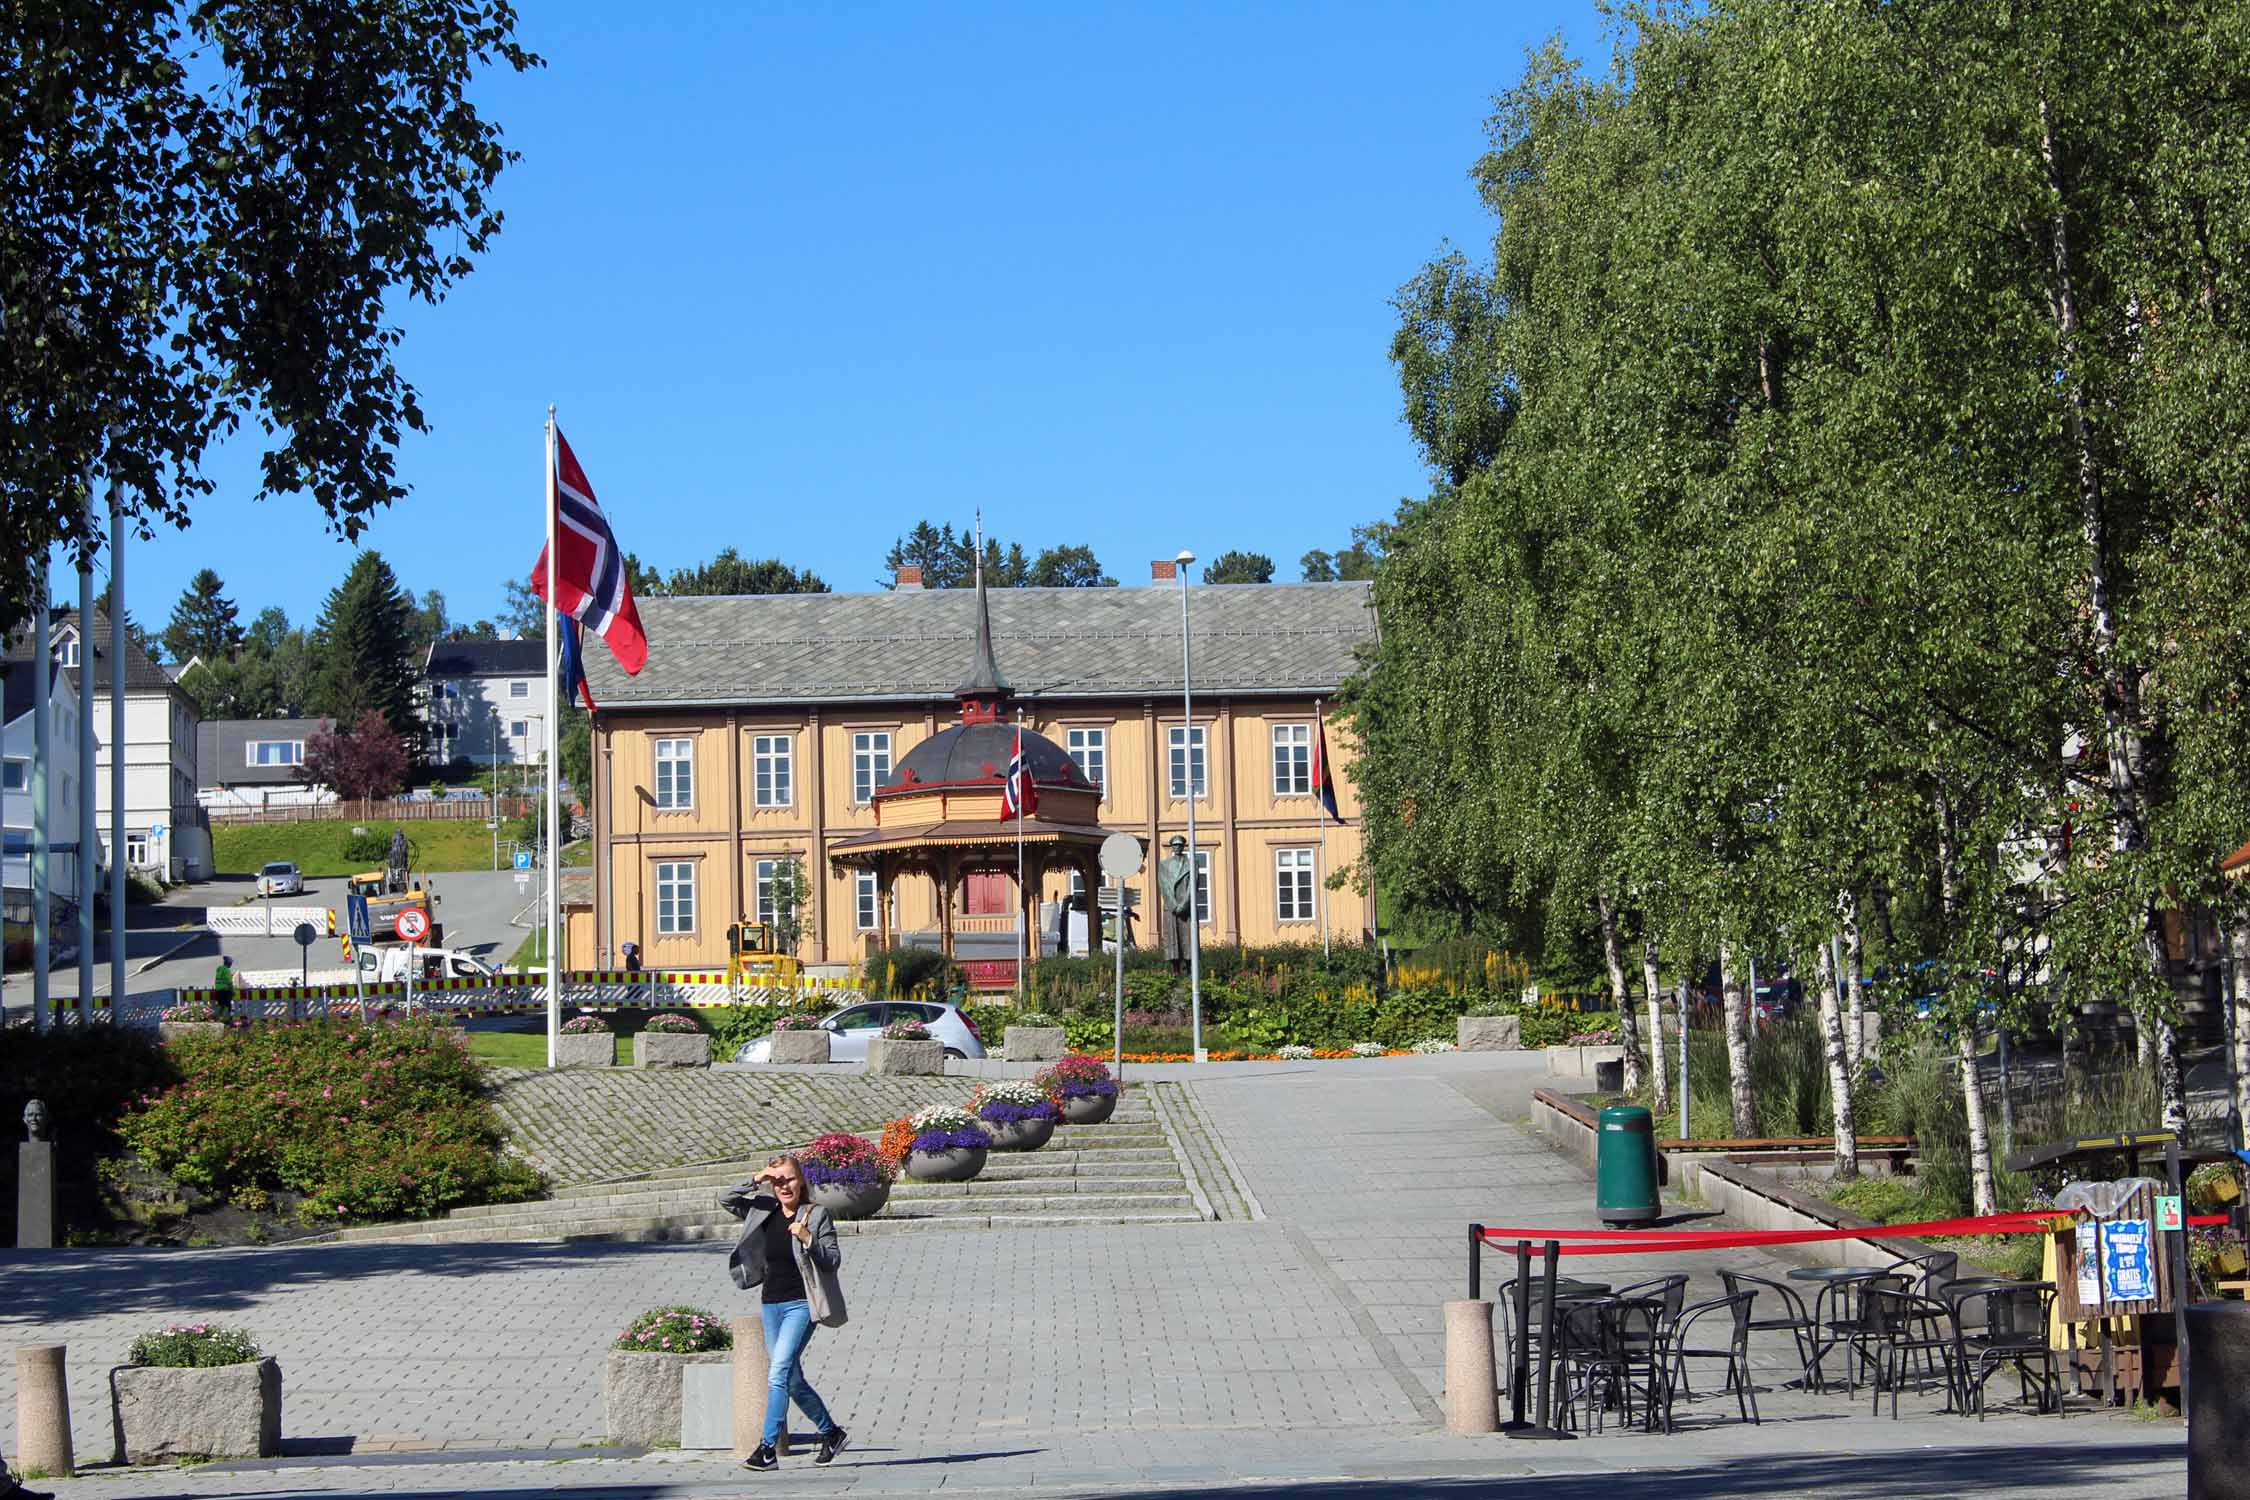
(1019, 798)
(1323, 775)
(590, 584)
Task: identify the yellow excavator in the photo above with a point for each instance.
(754, 955)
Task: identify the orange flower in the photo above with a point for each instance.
(897, 1143)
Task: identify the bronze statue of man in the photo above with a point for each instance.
(1175, 903)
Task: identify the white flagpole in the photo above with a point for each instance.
(552, 898)
(1320, 748)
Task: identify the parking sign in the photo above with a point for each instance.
(523, 859)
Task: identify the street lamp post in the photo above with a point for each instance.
(1187, 756)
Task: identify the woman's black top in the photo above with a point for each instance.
(784, 1282)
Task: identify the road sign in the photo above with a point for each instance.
(523, 859)
(156, 830)
(1121, 855)
(413, 925)
(358, 923)
(2168, 1213)
(304, 934)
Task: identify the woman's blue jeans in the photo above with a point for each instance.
(789, 1327)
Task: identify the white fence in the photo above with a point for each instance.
(507, 994)
(267, 921)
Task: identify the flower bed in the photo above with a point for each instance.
(1076, 1077)
(1010, 1100)
(941, 1127)
(906, 1031)
(675, 1330)
(199, 1346)
(845, 1161)
(1432, 1046)
(195, 1390)
(797, 1020)
(191, 1010)
(584, 1026)
(672, 1022)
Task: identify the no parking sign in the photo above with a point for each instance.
(413, 925)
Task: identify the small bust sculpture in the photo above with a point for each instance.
(36, 1120)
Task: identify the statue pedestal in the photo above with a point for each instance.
(35, 1195)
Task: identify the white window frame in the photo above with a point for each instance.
(773, 778)
(1089, 749)
(66, 652)
(761, 890)
(674, 792)
(1187, 759)
(294, 752)
(871, 763)
(520, 729)
(519, 689)
(136, 851)
(1202, 887)
(1296, 885)
(15, 776)
(865, 894)
(675, 886)
(1292, 760)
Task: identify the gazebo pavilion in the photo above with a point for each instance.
(942, 813)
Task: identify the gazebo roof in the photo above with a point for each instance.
(2236, 866)
(958, 833)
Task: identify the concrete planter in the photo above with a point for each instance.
(672, 1049)
(586, 1049)
(223, 1411)
(1033, 1043)
(641, 1395)
(800, 1046)
(887, 1056)
(1488, 1033)
(1020, 1135)
(1579, 1062)
(844, 1202)
(1088, 1109)
(168, 1032)
(954, 1164)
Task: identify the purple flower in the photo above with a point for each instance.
(1003, 1112)
(946, 1140)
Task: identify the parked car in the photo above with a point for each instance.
(852, 1028)
(281, 878)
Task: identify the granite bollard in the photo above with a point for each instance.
(43, 1411)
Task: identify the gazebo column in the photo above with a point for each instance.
(945, 873)
(885, 874)
(1034, 875)
(1090, 871)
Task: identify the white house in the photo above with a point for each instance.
(18, 744)
(486, 701)
(164, 829)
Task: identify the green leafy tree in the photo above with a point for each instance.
(948, 561)
(1068, 568)
(731, 573)
(364, 641)
(522, 614)
(213, 212)
(1239, 567)
(204, 622)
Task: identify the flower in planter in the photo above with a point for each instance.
(942, 1127)
(1368, 1049)
(584, 1025)
(1012, 1100)
(1589, 1038)
(906, 1031)
(675, 1330)
(185, 1346)
(1430, 1046)
(846, 1161)
(1075, 1077)
(797, 1020)
(897, 1143)
(1294, 1052)
(672, 1021)
(1030, 1018)
(192, 1010)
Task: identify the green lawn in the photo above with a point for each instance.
(528, 1049)
(318, 848)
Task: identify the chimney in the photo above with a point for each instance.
(910, 577)
(1166, 571)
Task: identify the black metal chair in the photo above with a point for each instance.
(1903, 1327)
(1681, 1346)
(1670, 1290)
(2011, 1331)
(1929, 1274)
(1856, 1326)
(1794, 1320)
(1611, 1350)
(1505, 1294)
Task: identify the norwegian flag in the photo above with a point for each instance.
(590, 585)
(1323, 778)
(1020, 797)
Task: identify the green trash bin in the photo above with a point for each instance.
(1625, 1166)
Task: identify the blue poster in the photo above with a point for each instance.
(2127, 1265)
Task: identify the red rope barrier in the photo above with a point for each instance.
(1664, 1241)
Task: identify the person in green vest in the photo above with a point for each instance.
(222, 988)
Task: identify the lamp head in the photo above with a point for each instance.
(1185, 557)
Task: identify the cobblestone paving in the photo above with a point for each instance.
(1201, 1153)
(673, 1117)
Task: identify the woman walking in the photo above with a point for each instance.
(788, 1249)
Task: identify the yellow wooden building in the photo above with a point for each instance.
(776, 728)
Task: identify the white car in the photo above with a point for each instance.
(281, 878)
(852, 1028)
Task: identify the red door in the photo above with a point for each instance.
(990, 893)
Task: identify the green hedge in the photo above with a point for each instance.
(380, 1121)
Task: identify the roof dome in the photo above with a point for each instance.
(966, 754)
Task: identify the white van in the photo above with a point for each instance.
(429, 964)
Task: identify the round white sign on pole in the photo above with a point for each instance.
(1121, 855)
(413, 926)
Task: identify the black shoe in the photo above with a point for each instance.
(831, 1443)
(762, 1459)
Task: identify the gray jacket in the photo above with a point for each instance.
(817, 1262)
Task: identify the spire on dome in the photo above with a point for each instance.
(982, 695)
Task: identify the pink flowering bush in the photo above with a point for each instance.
(671, 1020)
(675, 1330)
(185, 1346)
(906, 1031)
(797, 1020)
(1076, 1076)
(846, 1161)
(367, 1122)
(583, 1025)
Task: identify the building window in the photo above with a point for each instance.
(770, 762)
(136, 851)
(762, 908)
(519, 689)
(1293, 885)
(675, 774)
(1090, 749)
(1292, 760)
(865, 896)
(675, 897)
(66, 652)
(1188, 763)
(1202, 887)
(871, 763)
(274, 752)
(15, 776)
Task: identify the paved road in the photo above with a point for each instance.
(1298, 1348)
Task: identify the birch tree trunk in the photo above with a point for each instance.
(1736, 1017)
(1839, 1067)
(1855, 1034)
(1983, 1199)
(2238, 951)
(1620, 992)
(1659, 1070)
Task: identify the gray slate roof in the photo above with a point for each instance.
(142, 674)
(487, 659)
(1051, 643)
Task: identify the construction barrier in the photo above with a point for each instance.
(267, 921)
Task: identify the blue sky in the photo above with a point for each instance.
(799, 276)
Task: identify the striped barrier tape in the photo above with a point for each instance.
(1667, 1241)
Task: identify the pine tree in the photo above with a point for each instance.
(204, 623)
(364, 645)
